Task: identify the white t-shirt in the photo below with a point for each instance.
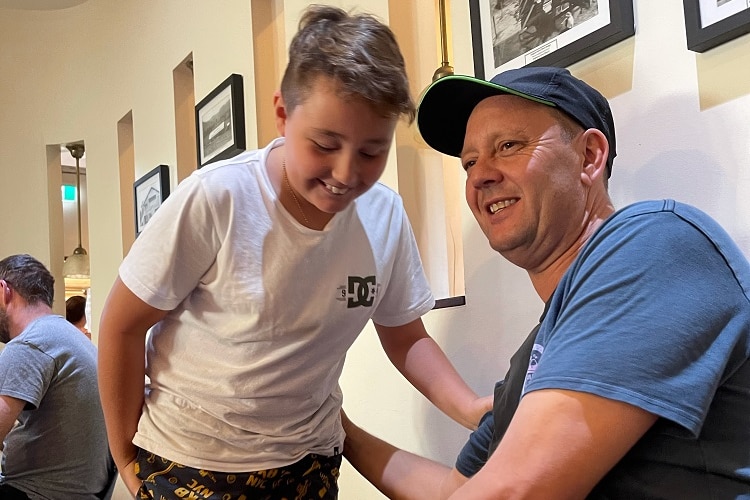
(244, 368)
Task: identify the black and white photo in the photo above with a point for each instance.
(710, 23)
(514, 33)
(150, 191)
(220, 122)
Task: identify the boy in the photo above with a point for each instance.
(258, 274)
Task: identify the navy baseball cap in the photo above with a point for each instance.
(447, 103)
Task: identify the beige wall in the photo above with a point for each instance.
(73, 74)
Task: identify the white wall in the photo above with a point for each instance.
(71, 75)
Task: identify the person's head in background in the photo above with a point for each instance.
(25, 277)
(75, 312)
(341, 95)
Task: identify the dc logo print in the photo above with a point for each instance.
(360, 292)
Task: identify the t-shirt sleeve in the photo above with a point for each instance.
(25, 372)
(474, 454)
(634, 323)
(408, 295)
(175, 250)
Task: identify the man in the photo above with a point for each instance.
(51, 421)
(637, 384)
(75, 312)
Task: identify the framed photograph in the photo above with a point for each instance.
(709, 23)
(150, 191)
(509, 34)
(220, 122)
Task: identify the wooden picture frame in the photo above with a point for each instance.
(509, 34)
(149, 193)
(220, 122)
(709, 23)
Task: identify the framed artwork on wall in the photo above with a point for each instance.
(509, 34)
(150, 191)
(709, 23)
(220, 122)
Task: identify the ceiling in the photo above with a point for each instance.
(39, 4)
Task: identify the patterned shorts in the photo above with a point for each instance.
(313, 477)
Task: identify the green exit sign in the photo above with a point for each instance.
(68, 193)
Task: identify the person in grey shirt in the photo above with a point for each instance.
(51, 421)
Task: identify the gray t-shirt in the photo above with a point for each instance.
(58, 448)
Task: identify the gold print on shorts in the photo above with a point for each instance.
(185, 493)
(284, 479)
(194, 490)
(209, 474)
(315, 466)
(172, 465)
(258, 479)
(302, 489)
(326, 485)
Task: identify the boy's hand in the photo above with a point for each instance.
(129, 478)
(480, 406)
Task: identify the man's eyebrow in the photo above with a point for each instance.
(466, 151)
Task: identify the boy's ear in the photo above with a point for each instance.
(279, 109)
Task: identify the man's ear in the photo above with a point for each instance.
(279, 110)
(5, 293)
(595, 154)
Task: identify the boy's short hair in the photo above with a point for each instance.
(29, 278)
(357, 50)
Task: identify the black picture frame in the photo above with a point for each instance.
(728, 27)
(149, 192)
(220, 122)
(512, 44)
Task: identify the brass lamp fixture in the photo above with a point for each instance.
(445, 68)
(77, 265)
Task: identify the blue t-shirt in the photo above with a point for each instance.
(655, 312)
(484, 440)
